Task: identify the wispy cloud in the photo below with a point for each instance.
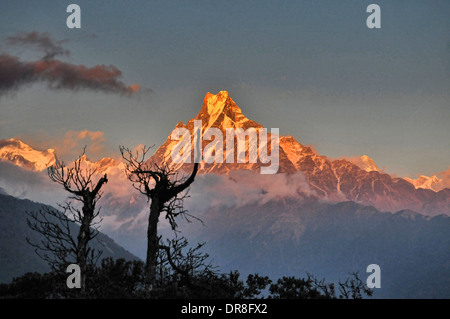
(75, 140)
(40, 41)
(445, 177)
(243, 187)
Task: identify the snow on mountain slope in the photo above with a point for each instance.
(426, 182)
(364, 162)
(358, 180)
(220, 112)
(23, 155)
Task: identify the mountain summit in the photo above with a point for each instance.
(366, 163)
(23, 155)
(338, 180)
(220, 111)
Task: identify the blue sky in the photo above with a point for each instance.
(311, 68)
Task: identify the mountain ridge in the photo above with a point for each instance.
(356, 179)
(291, 237)
(18, 257)
(334, 180)
(21, 154)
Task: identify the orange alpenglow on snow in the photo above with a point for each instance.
(134, 87)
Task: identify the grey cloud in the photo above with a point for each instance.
(61, 75)
(15, 73)
(41, 41)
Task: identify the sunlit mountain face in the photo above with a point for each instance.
(359, 180)
(429, 182)
(335, 180)
(23, 155)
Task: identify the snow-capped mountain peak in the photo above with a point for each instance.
(427, 182)
(364, 162)
(368, 164)
(23, 155)
(214, 104)
(221, 111)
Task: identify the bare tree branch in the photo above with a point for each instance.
(162, 187)
(60, 243)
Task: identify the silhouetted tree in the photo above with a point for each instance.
(294, 288)
(353, 288)
(116, 279)
(181, 266)
(59, 243)
(312, 288)
(164, 189)
(126, 279)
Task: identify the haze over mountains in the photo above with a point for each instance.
(317, 214)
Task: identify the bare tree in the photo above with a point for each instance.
(162, 186)
(58, 245)
(56, 228)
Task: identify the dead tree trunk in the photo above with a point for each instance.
(152, 241)
(78, 182)
(155, 182)
(163, 192)
(84, 236)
